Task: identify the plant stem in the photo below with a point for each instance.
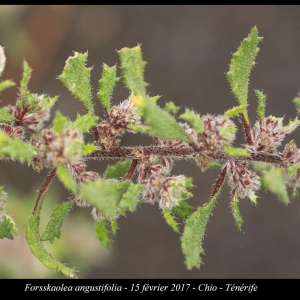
(131, 170)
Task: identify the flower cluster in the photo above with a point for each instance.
(13, 131)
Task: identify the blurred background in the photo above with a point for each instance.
(188, 50)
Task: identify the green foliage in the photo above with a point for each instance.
(60, 122)
(106, 84)
(235, 111)
(139, 128)
(66, 178)
(6, 84)
(76, 78)
(170, 219)
(37, 248)
(241, 65)
(56, 221)
(130, 198)
(183, 210)
(102, 233)
(261, 104)
(171, 108)
(297, 103)
(5, 116)
(118, 170)
(7, 227)
(194, 119)
(85, 123)
(15, 148)
(236, 212)
(215, 165)
(88, 149)
(193, 234)
(232, 151)
(26, 77)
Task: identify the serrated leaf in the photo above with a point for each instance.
(26, 77)
(169, 218)
(118, 170)
(241, 65)
(7, 227)
(194, 119)
(102, 233)
(274, 180)
(261, 104)
(15, 148)
(183, 210)
(236, 211)
(161, 123)
(293, 169)
(193, 234)
(76, 78)
(291, 126)
(232, 151)
(260, 166)
(235, 111)
(6, 84)
(37, 248)
(5, 116)
(2, 60)
(130, 199)
(56, 221)
(85, 123)
(88, 149)
(295, 192)
(139, 128)
(215, 165)
(171, 108)
(66, 178)
(107, 84)
(297, 102)
(114, 226)
(133, 69)
(104, 195)
(60, 122)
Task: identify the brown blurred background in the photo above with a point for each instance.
(188, 50)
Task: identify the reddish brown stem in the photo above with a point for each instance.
(219, 183)
(131, 170)
(96, 134)
(247, 131)
(44, 188)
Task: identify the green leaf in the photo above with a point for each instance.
(297, 102)
(107, 84)
(171, 108)
(130, 199)
(5, 116)
(7, 226)
(85, 123)
(183, 210)
(2, 60)
(139, 128)
(104, 195)
(215, 165)
(102, 233)
(66, 178)
(118, 170)
(15, 148)
(241, 65)
(274, 180)
(261, 104)
(88, 149)
(235, 111)
(60, 122)
(161, 123)
(114, 226)
(6, 84)
(193, 234)
(170, 220)
(76, 78)
(194, 119)
(26, 77)
(291, 126)
(293, 169)
(295, 192)
(236, 212)
(37, 248)
(232, 151)
(133, 69)
(56, 221)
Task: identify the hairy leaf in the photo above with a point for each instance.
(85, 123)
(232, 151)
(6, 84)
(193, 234)
(89, 148)
(26, 77)
(130, 199)
(15, 148)
(56, 221)
(66, 178)
(7, 227)
(102, 233)
(297, 102)
(194, 119)
(235, 111)
(133, 69)
(60, 122)
(215, 165)
(236, 211)
(104, 194)
(37, 248)
(114, 226)
(5, 116)
(171, 108)
(76, 77)
(261, 104)
(139, 128)
(241, 65)
(183, 210)
(107, 84)
(118, 170)
(170, 220)
(291, 126)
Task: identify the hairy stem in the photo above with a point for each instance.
(131, 170)
(219, 182)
